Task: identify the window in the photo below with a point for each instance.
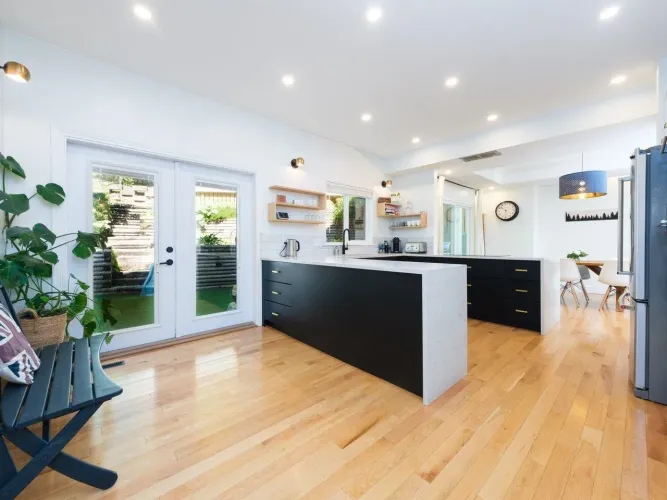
(456, 231)
(348, 208)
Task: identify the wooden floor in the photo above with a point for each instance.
(255, 414)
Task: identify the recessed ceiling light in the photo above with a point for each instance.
(451, 82)
(609, 12)
(373, 14)
(492, 117)
(491, 188)
(416, 140)
(143, 12)
(448, 172)
(366, 117)
(288, 80)
(618, 80)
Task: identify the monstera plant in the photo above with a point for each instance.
(29, 256)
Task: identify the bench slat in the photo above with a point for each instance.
(62, 383)
(105, 388)
(35, 402)
(83, 387)
(12, 400)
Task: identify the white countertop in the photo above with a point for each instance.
(362, 262)
(433, 256)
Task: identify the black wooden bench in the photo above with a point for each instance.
(70, 379)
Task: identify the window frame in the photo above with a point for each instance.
(346, 220)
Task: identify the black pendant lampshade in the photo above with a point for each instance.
(582, 185)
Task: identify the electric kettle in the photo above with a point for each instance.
(290, 248)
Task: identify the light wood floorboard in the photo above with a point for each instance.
(255, 414)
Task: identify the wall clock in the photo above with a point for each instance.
(507, 211)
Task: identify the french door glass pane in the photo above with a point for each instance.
(216, 208)
(357, 211)
(124, 273)
(456, 236)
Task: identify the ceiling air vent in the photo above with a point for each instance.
(481, 156)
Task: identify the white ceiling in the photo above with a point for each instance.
(520, 58)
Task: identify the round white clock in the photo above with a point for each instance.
(507, 211)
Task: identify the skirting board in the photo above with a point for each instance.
(107, 356)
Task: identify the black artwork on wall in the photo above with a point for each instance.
(591, 215)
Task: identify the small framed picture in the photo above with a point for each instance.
(282, 216)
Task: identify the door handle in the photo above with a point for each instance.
(168, 262)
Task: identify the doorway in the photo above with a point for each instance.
(173, 265)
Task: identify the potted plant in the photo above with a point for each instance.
(396, 198)
(26, 267)
(576, 255)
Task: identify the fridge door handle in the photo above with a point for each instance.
(621, 223)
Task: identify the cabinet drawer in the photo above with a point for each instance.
(281, 272)
(277, 292)
(489, 268)
(522, 314)
(276, 315)
(488, 289)
(524, 290)
(523, 270)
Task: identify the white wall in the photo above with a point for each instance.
(72, 95)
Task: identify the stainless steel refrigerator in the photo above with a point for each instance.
(647, 270)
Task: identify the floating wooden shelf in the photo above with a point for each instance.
(294, 205)
(296, 221)
(284, 205)
(423, 222)
(296, 190)
(404, 216)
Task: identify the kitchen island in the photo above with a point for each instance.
(514, 291)
(404, 322)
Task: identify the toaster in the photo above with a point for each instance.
(415, 247)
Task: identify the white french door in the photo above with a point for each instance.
(171, 267)
(215, 228)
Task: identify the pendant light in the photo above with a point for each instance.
(16, 71)
(582, 185)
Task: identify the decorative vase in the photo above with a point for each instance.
(41, 332)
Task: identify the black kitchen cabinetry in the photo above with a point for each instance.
(507, 292)
(369, 319)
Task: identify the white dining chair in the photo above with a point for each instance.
(569, 275)
(610, 277)
(585, 274)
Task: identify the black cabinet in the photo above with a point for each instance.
(503, 291)
(355, 315)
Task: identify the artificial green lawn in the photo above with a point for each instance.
(135, 310)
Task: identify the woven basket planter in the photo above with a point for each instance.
(41, 332)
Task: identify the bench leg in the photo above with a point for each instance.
(7, 468)
(49, 454)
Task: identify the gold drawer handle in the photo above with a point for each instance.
(469, 267)
(275, 314)
(469, 285)
(521, 291)
(275, 293)
(521, 311)
(469, 303)
(275, 271)
(521, 270)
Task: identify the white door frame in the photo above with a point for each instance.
(60, 140)
(471, 221)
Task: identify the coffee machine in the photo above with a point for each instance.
(396, 245)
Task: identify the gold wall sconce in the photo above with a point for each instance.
(16, 71)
